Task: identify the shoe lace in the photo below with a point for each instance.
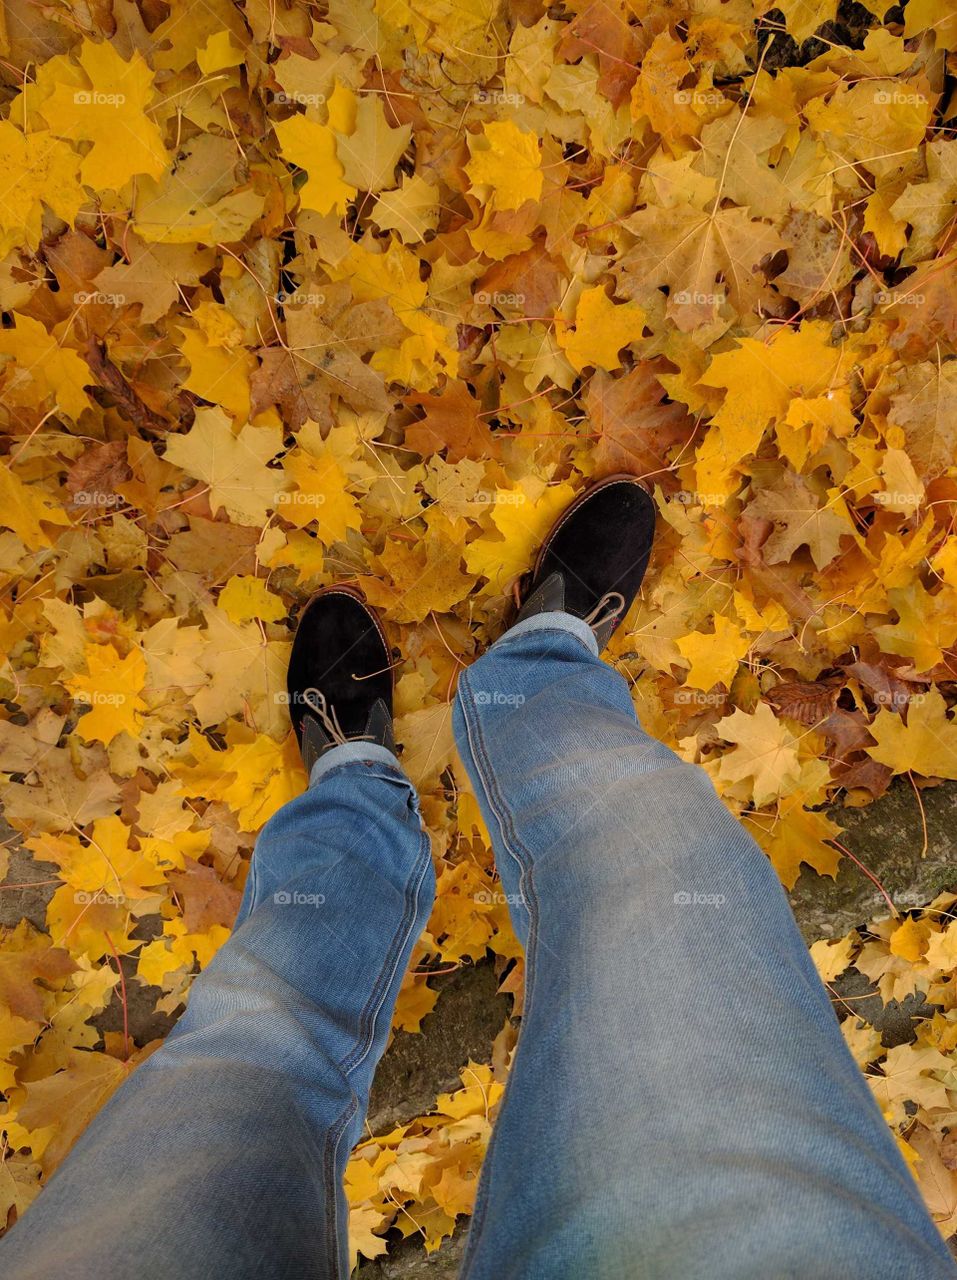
(609, 607)
(317, 702)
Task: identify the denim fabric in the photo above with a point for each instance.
(681, 1105)
(223, 1155)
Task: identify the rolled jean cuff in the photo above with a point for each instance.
(556, 621)
(352, 753)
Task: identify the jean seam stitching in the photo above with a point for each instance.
(333, 1138)
(253, 888)
(483, 764)
(367, 1038)
(391, 964)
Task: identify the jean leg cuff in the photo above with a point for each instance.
(352, 753)
(556, 621)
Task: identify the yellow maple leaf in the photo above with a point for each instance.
(714, 658)
(761, 379)
(39, 170)
(907, 1076)
(57, 1109)
(765, 752)
(411, 211)
(938, 16)
(156, 961)
(372, 149)
(522, 518)
(832, 956)
(396, 275)
(889, 232)
(219, 53)
(318, 497)
(106, 870)
(804, 17)
(506, 165)
(909, 940)
(233, 464)
(926, 744)
(479, 1093)
(91, 920)
(926, 624)
(255, 775)
(312, 146)
(942, 950)
(26, 509)
(217, 373)
(602, 328)
(305, 553)
(413, 580)
(112, 686)
(112, 114)
(364, 1221)
(42, 369)
(416, 999)
(244, 598)
(795, 836)
(877, 123)
(177, 950)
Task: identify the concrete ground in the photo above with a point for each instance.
(887, 837)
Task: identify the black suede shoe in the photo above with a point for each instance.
(592, 563)
(340, 675)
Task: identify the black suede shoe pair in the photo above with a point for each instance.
(591, 565)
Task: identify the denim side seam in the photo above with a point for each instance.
(373, 1005)
(333, 1138)
(513, 845)
(365, 1040)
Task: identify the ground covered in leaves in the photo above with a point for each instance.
(366, 292)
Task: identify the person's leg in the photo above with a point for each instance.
(223, 1154)
(682, 1104)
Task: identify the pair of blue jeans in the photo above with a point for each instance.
(681, 1105)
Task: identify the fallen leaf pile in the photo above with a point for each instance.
(367, 292)
(915, 1083)
(419, 1177)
